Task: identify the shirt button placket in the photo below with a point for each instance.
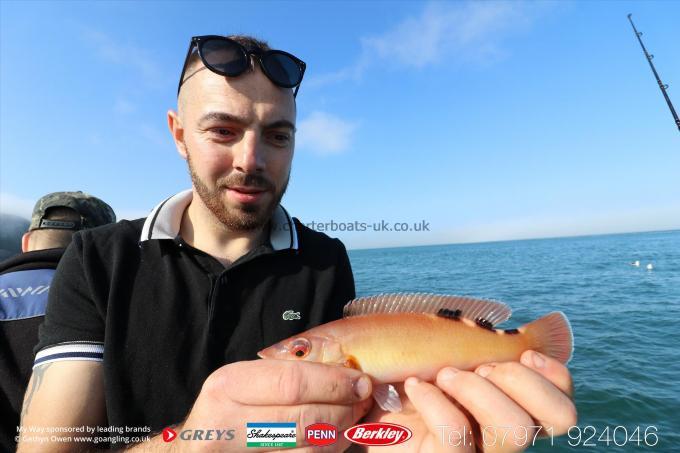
(218, 284)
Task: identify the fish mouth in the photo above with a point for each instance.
(276, 351)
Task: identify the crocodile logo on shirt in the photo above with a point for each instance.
(290, 315)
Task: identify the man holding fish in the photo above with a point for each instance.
(155, 323)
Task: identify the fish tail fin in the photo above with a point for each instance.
(551, 335)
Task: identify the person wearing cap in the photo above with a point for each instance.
(154, 325)
(24, 287)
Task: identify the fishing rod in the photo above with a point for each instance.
(662, 86)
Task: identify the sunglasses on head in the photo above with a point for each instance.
(229, 58)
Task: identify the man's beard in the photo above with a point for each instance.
(245, 217)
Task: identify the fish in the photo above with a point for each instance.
(391, 337)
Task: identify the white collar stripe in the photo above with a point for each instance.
(283, 234)
(292, 229)
(165, 220)
(151, 220)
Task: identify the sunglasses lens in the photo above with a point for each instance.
(282, 69)
(224, 56)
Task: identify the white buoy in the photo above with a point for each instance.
(650, 267)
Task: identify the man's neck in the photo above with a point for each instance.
(202, 230)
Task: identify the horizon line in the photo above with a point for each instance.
(540, 238)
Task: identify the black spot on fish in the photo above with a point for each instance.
(511, 331)
(483, 323)
(449, 314)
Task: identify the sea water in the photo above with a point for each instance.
(625, 366)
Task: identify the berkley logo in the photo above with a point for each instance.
(378, 434)
(321, 434)
(289, 315)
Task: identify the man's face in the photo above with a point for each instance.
(238, 138)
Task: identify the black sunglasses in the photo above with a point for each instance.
(229, 58)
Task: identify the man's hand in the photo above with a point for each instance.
(276, 391)
(71, 394)
(510, 402)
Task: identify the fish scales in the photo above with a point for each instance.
(390, 347)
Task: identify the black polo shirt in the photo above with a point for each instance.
(24, 286)
(163, 315)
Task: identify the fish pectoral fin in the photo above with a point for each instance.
(387, 397)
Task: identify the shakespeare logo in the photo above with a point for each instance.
(271, 435)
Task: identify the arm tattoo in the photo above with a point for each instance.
(38, 375)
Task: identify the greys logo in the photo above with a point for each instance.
(170, 434)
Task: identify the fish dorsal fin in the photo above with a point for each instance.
(467, 307)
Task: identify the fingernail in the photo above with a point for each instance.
(485, 370)
(447, 374)
(539, 360)
(362, 387)
(411, 381)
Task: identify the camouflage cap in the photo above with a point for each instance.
(93, 211)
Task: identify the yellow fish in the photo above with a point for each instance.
(393, 336)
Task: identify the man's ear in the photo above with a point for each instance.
(25, 241)
(177, 131)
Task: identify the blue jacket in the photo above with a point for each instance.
(24, 285)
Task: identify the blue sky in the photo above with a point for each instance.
(489, 121)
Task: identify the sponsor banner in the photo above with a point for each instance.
(99, 435)
(277, 435)
(321, 434)
(378, 434)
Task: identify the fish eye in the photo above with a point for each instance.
(300, 347)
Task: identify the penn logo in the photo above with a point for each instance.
(378, 434)
(321, 434)
(169, 435)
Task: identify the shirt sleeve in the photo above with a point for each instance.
(74, 326)
(344, 290)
